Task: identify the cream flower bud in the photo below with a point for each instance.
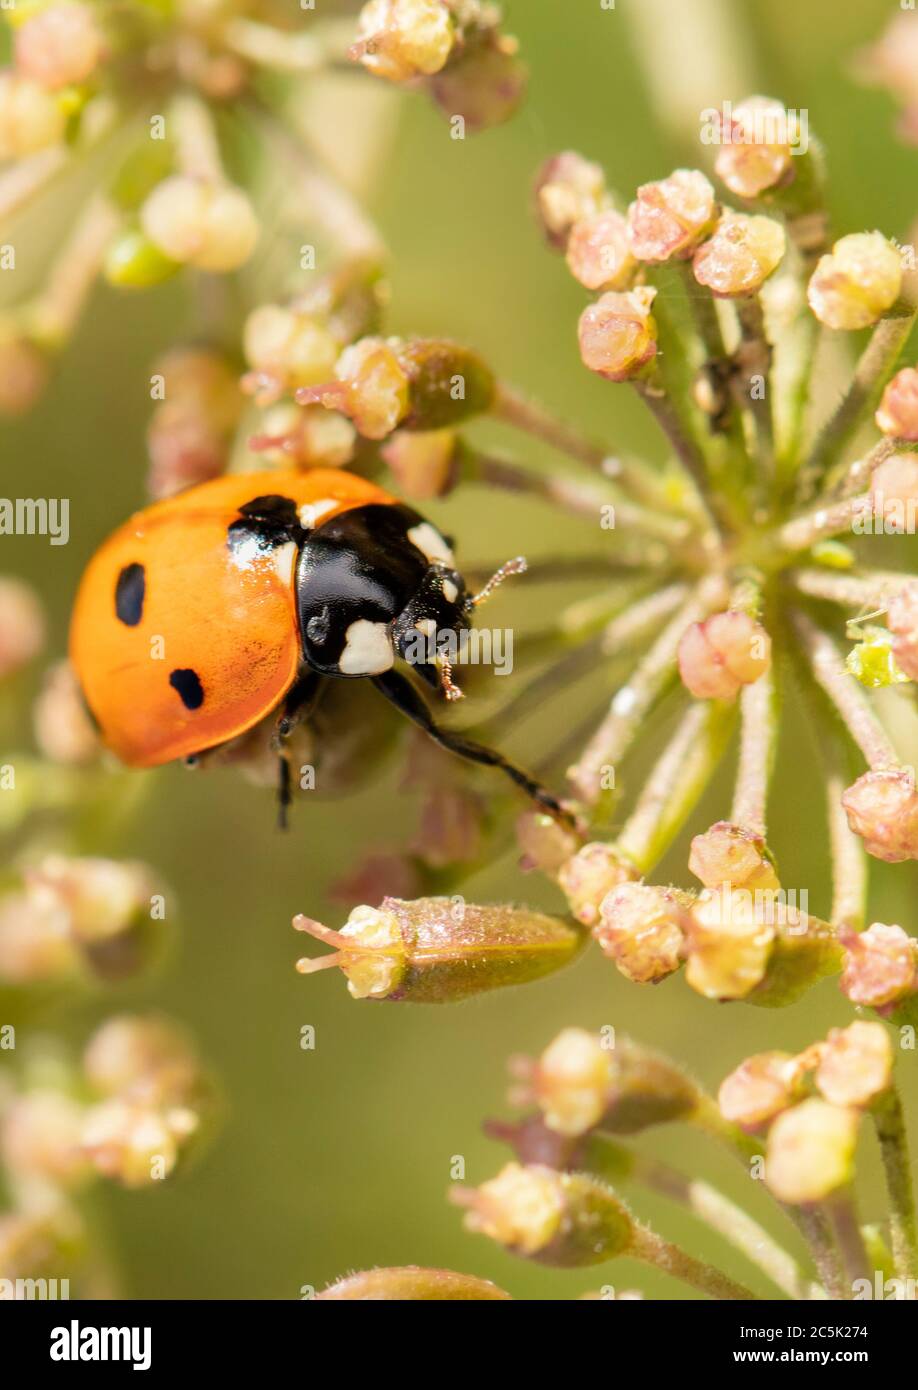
(898, 411)
(894, 492)
(881, 966)
(40, 1137)
(295, 349)
(308, 436)
(882, 807)
(589, 875)
(760, 1088)
(402, 39)
(130, 1143)
(30, 117)
(411, 1283)
(740, 256)
(729, 944)
(212, 226)
(569, 189)
(63, 730)
(99, 896)
(902, 621)
(544, 844)
(22, 626)
(856, 1064)
(668, 219)
(141, 1057)
(34, 942)
(855, 285)
(756, 151)
(732, 854)
(59, 46)
(572, 1080)
(641, 929)
(435, 950)
(618, 334)
(719, 656)
(561, 1219)
(424, 463)
(811, 1151)
(598, 252)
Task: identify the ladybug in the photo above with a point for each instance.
(241, 597)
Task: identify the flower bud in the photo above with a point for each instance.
(897, 415)
(561, 1219)
(40, 1137)
(22, 626)
(579, 1083)
(902, 621)
(424, 463)
(755, 154)
(484, 83)
(598, 252)
(436, 950)
(31, 118)
(568, 189)
(133, 1144)
(305, 437)
(59, 46)
(142, 1058)
(856, 1064)
(134, 262)
(872, 661)
(100, 897)
(719, 656)
(403, 39)
(411, 1283)
(34, 943)
(894, 492)
(641, 929)
(729, 944)
(731, 854)
(760, 1088)
(63, 730)
(287, 349)
(811, 1151)
(740, 256)
(881, 966)
(545, 845)
(24, 370)
(669, 219)
(212, 226)
(855, 285)
(618, 334)
(589, 875)
(418, 384)
(882, 807)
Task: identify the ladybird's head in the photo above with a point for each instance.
(428, 632)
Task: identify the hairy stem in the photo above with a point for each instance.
(846, 695)
(672, 1259)
(890, 1126)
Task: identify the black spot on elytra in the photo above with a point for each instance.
(130, 589)
(188, 685)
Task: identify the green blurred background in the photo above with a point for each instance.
(339, 1158)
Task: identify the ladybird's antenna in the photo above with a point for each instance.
(515, 566)
(445, 668)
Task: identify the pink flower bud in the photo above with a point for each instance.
(618, 334)
(855, 285)
(484, 83)
(756, 151)
(40, 1138)
(31, 118)
(740, 256)
(720, 655)
(759, 1089)
(669, 219)
(588, 876)
(894, 492)
(882, 807)
(59, 46)
(856, 1064)
(598, 253)
(63, 730)
(424, 463)
(24, 370)
(811, 1151)
(641, 929)
(568, 189)
(898, 411)
(902, 621)
(22, 626)
(881, 966)
(545, 845)
(731, 854)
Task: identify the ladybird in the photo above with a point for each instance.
(238, 598)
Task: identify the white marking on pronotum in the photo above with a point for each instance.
(367, 649)
(311, 513)
(283, 559)
(430, 543)
(450, 592)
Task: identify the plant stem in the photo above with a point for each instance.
(846, 695)
(890, 1126)
(672, 1259)
(870, 376)
(675, 426)
(870, 590)
(856, 1262)
(805, 529)
(513, 408)
(760, 716)
(53, 315)
(754, 359)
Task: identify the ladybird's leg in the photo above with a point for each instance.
(407, 699)
(300, 701)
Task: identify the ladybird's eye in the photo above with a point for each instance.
(130, 589)
(188, 685)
